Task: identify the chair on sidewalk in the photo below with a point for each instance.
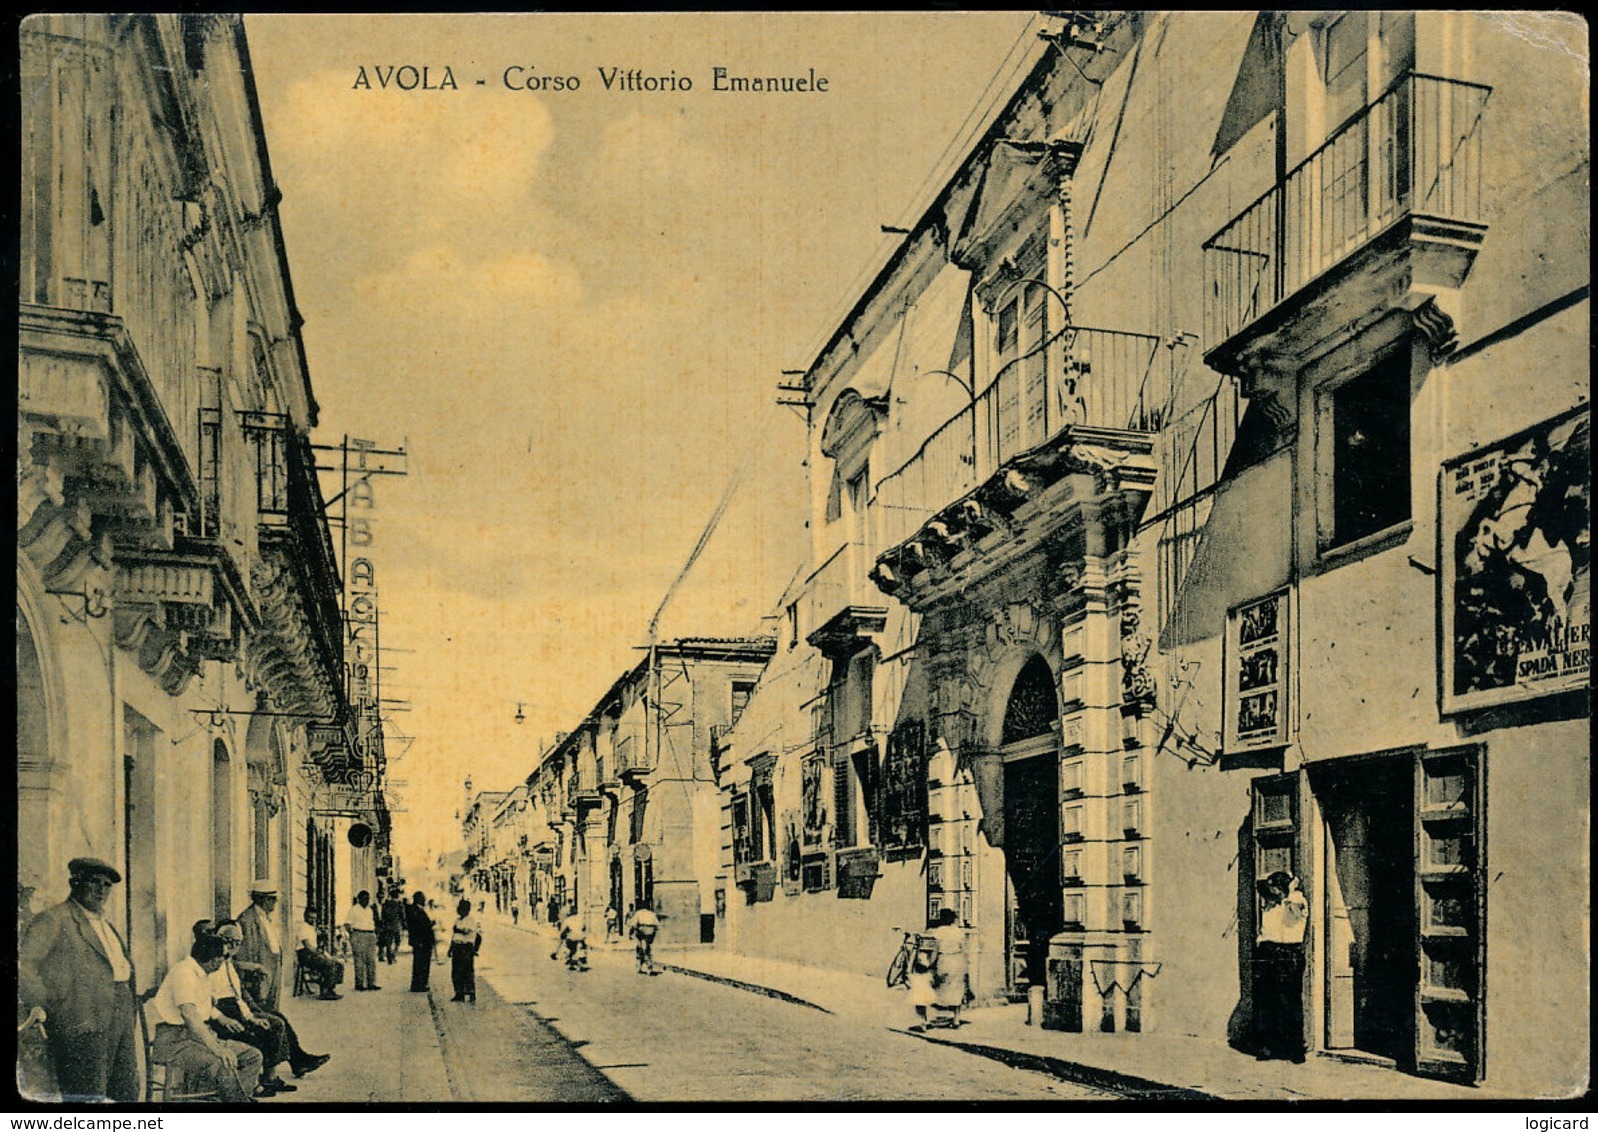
(302, 977)
(163, 1082)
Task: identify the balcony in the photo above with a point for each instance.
(1383, 216)
(631, 760)
(843, 615)
(1079, 377)
(300, 651)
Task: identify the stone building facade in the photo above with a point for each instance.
(181, 703)
(624, 809)
(1198, 491)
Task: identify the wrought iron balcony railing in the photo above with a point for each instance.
(1078, 376)
(1416, 150)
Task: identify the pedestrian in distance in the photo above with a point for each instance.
(573, 940)
(260, 957)
(75, 980)
(515, 913)
(1279, 969)
(466, 939)
(362, 925)
(612, 922)
(324, 970)
(642, 927)
(440, 931)
(419, 927)
(184, 1040)
(390, 926)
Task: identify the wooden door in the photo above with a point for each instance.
(1450, 864)
(1032, 862)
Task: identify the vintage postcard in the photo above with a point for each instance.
(803, 558)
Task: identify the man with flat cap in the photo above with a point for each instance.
(259, 958)
(73, 969)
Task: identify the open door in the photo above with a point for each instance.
(1280, 843)
(1450, 894)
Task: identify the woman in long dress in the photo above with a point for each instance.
(937, 975)
(464, 942)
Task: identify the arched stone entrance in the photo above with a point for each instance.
(1030, 752)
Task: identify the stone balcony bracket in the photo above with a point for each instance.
(1416, 266)
(1021, 504)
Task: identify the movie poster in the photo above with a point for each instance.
(1515, 537)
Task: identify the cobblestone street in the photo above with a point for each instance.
(541, 1034)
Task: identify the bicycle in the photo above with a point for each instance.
(916, 953)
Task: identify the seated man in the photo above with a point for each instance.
(324, 970)
(266, 1030)
(184, 1041)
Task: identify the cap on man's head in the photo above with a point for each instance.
(82, 868)
(231, 932)
(263, 888)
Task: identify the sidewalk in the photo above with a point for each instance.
(1152, 1064)
(384, 1044)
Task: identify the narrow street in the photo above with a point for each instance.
(676, 1038)
(540, 1034)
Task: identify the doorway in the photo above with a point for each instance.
(1371, 972)
(1031, 859)
(1035, 902)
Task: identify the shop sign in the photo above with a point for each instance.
(1514, 566)
(1258, 655)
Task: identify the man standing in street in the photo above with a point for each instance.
(260, 958)
(419, 926)
(391, 925)
(362, 926)
(74, 976)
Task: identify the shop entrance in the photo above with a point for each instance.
(1035, 910)
(1369, 924)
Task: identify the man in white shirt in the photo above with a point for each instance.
(184, 1041)
(324, 969)
(643, 925)
(1279, 969)
(362, 926)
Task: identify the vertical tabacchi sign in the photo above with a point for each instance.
(1257, 662)
(359, 462)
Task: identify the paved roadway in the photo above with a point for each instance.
(674, 1038)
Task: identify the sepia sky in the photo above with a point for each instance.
(572, 308)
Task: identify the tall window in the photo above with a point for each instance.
(902, 795)
(210, 520)
(1369, 451)
(1006, 345)
(741, 691)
